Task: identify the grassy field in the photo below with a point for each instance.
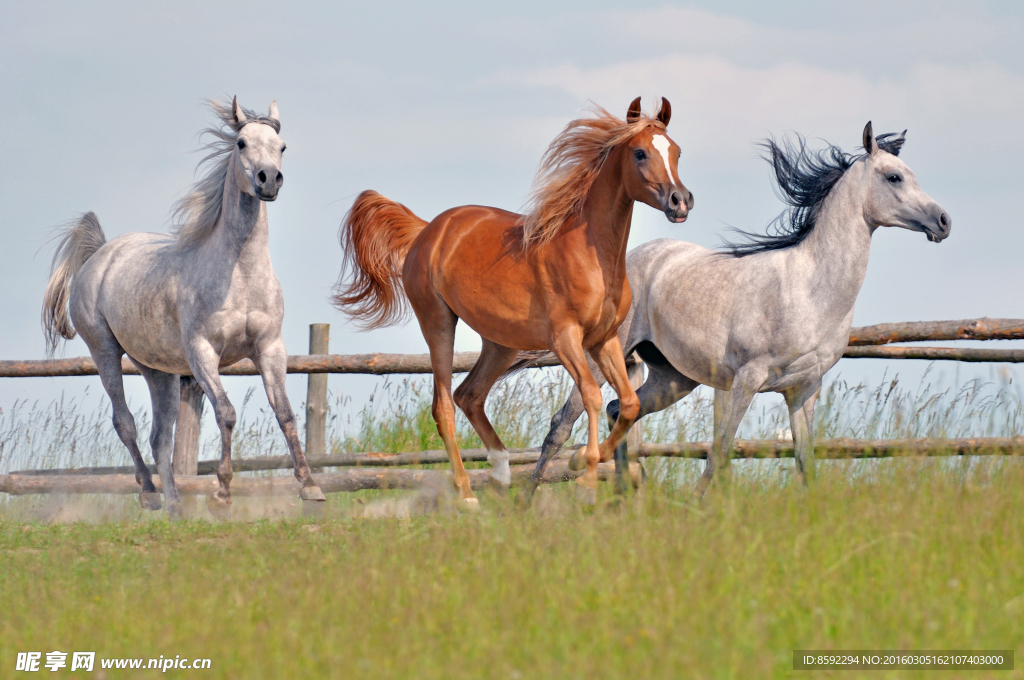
(913, 556)
(899, 554)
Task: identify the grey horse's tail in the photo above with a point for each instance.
(78, 241)
(527, 359)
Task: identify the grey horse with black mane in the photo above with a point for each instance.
(772, 314)
(187, 303)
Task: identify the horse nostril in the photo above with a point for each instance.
(943, 220)
(279, 180)
(262, 176)
(689, 200)
(675, 200)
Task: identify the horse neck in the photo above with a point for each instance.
(839, 245)
(241, 228)
(608, 212)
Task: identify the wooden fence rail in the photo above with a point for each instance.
(379, 471)
(864, 343)
(350, 479)
(743, 448)
(369, 364)
(932, 331)
(382, 364)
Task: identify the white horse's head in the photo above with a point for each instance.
(258, 152)
(893, 196)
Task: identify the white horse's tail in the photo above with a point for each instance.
(78, 241)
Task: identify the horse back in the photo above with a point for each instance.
(475, 259)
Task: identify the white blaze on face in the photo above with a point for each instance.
(661, 143)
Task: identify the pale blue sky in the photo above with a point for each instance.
(442, 104)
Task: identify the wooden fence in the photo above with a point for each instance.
(374, 470)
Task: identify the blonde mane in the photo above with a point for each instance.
(196, 213)
(568, 169)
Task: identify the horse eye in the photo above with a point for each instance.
(283, 148)
(241, 144)
(639, 154)
(894, 178)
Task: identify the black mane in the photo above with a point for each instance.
(803, 178)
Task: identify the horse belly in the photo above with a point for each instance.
(160, 348)
(501, 320)
(500, 303)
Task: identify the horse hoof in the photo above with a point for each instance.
(498, 487)
(524, 499)
(174, 510)
(469, 505)
(150, 500)
(586, 495)
(311, 493)
(578, 460)
(219, 507)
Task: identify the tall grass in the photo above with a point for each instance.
(62, 434)
(397, 418)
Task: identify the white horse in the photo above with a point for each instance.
(188, 303)
(772, 314)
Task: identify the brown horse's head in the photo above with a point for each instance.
(649, 162)
(637, 150)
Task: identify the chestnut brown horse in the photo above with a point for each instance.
(554, 278)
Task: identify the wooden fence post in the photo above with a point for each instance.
(316, 394)
(186, 430)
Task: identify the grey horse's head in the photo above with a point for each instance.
(258, 151)
(893, 196)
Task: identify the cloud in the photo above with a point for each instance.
(722, 107)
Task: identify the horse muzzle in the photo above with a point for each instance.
(938, 228)
(267, 188)
(678, 205)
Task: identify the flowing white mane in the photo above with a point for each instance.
(196, 214)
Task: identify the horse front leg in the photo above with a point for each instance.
(205, 364)
(613, 365)
(568, 347)
(730, 407)
(801, 420)
(272, 363)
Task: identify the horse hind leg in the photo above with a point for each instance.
(106, 352)
(663, 387)
(471, 397)
(559, 432)
(165, 391)
(437, 322)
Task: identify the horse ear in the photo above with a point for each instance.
(665, 114)
(272, 112)
(870, 145)
(633, 113)
(238, 114)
